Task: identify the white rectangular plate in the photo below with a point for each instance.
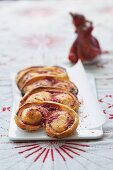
(90, 113)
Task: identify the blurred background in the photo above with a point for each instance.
(41, 32)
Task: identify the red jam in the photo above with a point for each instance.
(70, 121)
(50, 107)
(44, 111)
(52, 118)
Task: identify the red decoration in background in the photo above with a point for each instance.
(86, 47)
(6, 109)
(108, 105)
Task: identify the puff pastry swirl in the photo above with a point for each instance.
(49, 81)
(51, 94)
(27, 74)
(58, 120)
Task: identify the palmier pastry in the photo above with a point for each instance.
(49, 81)
(59, 120)
(27, 74)
(51, 94)
(61, 123)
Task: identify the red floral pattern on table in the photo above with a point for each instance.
(108, 105)
(65, 151)
(105, 64)
(6, 109)
(107, 10)
(35, 11)
(38, 40)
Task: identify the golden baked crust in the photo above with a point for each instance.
(51, 94)
(49, 81)
(59, 120)
(62, 123)
(29, 118)
(27, 74)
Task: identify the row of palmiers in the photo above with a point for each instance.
(46, 105)
(33, 77)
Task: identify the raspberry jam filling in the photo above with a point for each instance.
(26, 78)
(52, 118)
(50, 107)
(44, 111)
(50, 81)
(70, 123)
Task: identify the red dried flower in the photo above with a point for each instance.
(86, 47)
